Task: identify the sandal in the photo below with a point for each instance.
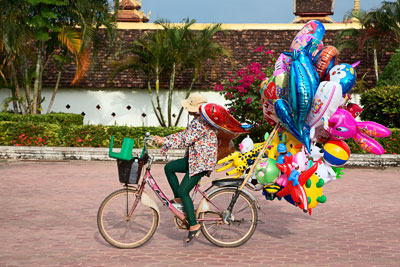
(192, 234)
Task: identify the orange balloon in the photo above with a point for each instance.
(326, 58)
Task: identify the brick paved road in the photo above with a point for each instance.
(48, 218)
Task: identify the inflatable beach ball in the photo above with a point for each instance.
(336, 152)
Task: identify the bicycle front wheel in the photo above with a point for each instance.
(238, 229)
(121, 229)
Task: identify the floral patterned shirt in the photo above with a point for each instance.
(200, 139)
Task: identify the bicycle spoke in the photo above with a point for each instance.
(241, 223)
(120, 230)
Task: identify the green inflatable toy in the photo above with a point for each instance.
(266, 171)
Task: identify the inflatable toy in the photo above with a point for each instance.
(274, 87)
(269, 112)
(282, 150)
(239, 162)
(297, 192)
(302, 85)
(342, 125)
(354, 109)
(220, 118)
(252, 183)
(266, 171)
(345, 75)
(282, 64)
(313, 31)
(326, 101)
(293, 145)
(324, 61)
(273, 149)
(336, 152)
(246, 145)
(314, 191)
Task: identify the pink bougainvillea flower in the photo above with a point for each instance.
(218, 87)
(259, 49)
(248, 100)
(268, 52)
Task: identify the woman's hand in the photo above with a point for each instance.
(159, 140)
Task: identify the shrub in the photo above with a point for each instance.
(29, 134)
(49, 134)
(382, 105)
(391, 73)
(241, 89)
(59, 118)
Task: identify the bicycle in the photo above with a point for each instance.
(128, 217)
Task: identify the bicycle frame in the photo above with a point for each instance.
(148, 178)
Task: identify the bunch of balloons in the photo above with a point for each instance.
(307, 94)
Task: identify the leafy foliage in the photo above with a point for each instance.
(391, 73)
(27, 133)
(34, 33)
(241, 89)
(55, 118)
(167, 53)
(382, 105)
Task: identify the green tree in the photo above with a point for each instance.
(379, 31)
(169, 51)
(54, 29)
(365, 37)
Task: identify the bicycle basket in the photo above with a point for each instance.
(129, 171)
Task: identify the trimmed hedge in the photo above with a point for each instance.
(58, 118)
(50, 134)
(382, 105)
(391, 73)
(27, 133)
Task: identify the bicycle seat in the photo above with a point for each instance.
(228, 182)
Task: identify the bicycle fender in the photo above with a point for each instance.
(149, 202)
(202, 207)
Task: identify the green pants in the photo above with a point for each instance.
(183, 189)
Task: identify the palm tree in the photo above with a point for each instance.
(202, 50)
(169, 51)
(52, 27)
(178, 44)
(150, 55)
(365, 37)
(379, 31)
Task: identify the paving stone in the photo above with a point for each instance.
(49, 209)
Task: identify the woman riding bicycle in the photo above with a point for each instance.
(200, 141)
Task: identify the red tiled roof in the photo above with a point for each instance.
(132, 16)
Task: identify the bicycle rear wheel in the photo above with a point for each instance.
(239, 229)
(121, 230)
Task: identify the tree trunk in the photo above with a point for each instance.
(53, 96)
(159, 109)
(187, 95)
(152, 102)
(27, 83)
(14, 102)
(17, 90)
(37, 80)
(376, 64)
(171, 89)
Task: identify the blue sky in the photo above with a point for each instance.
(235, 11)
